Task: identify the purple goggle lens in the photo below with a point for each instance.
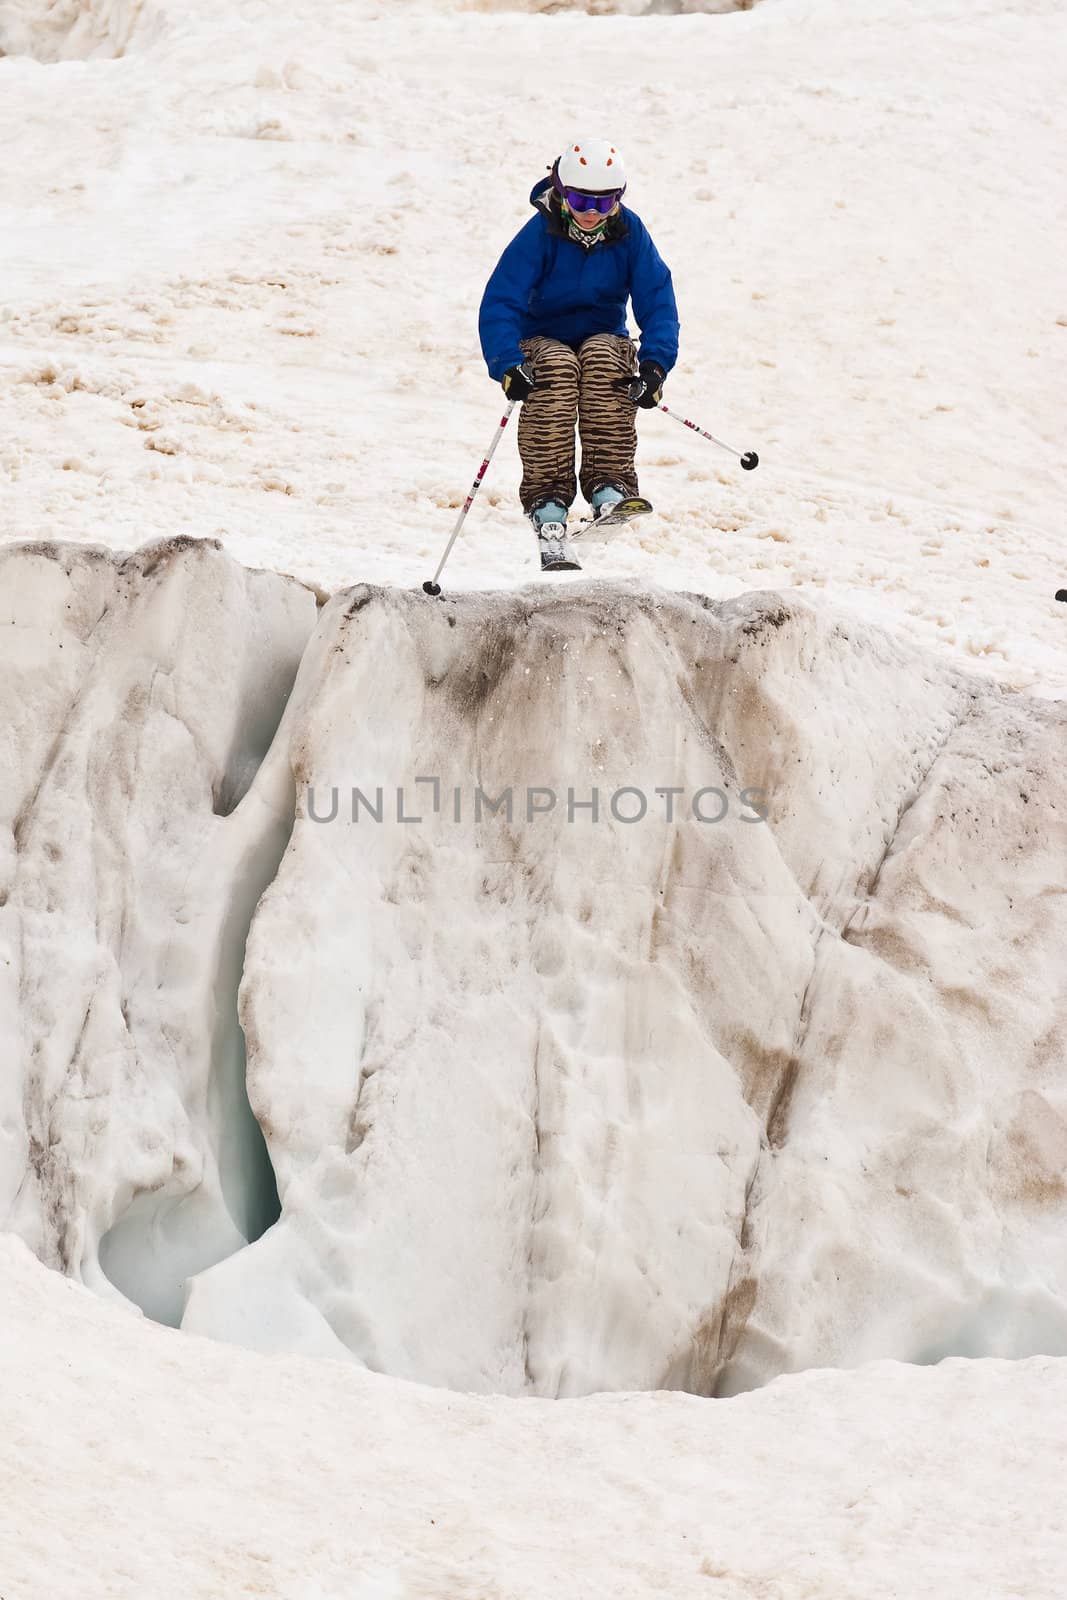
(592, 202)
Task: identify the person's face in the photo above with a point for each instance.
(588, 220)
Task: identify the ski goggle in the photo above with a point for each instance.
(592, 202)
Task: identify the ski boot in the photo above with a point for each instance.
(611, 509)
(604, 499)
(549, 522)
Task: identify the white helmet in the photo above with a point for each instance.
(593, 165)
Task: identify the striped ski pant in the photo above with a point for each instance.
(577, 387)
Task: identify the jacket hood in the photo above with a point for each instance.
(540, 191)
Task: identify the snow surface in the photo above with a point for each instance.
(242, 248)
(242, 267)
(171, 1466)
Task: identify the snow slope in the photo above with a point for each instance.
(177, 1468)
(242, 266)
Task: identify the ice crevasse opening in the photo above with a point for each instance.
(635, 990)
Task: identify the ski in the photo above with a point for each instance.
(622, 512)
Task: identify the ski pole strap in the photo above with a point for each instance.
(747, 458)
(431, 587)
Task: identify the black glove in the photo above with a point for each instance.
(645, 390)
(518, 383)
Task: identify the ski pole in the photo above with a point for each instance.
(747, 458)
(431, 585)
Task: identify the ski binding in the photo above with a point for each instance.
(555, 551)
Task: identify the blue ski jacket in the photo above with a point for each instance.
(546, 283)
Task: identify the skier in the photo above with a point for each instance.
(553, 331)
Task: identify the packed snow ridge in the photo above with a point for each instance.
(74, 30)
(607, 8)
(50, 31)
(638, 991)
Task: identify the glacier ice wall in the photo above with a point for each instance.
(664, 1096)
(138, 696)
(559, 1104)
